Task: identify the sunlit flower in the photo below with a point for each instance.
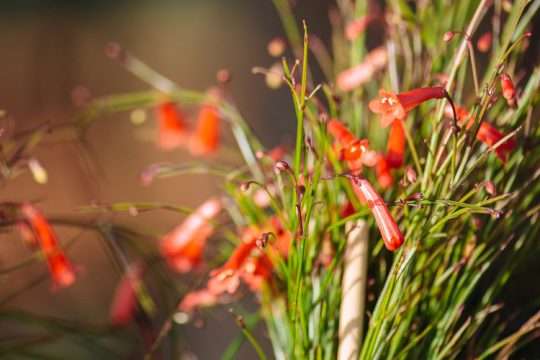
(395, 106)
(205, 140)
(390, 232)
(184, 245)
(172, 130)
(62, 272)
(352, 149)
(395, 150)
(124, 302)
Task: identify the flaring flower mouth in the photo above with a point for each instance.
(395, 106)
(388, 106)
(61, 270)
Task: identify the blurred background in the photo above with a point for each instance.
(51, 47)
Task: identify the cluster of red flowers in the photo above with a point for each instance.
(173, 130)
(356, 153)
(252, 261)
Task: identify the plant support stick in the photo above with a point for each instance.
(353, 289)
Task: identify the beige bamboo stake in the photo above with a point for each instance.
(353, 292)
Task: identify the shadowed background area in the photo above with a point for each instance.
(51, 48)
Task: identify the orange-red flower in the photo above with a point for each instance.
(390, 232)
(488, 134)
(484, 42)
(256, 269)
(251, 261)
(124, 302)
(395, 106)
(358, 26)
(196, 299)
(62, 272)
(227, 277)
(384, 177)
(352, 149)
(354, 77)
(172, 129)
(184, 245)
(206, 137)
(395, 151)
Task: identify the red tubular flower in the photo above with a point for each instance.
(227, 277)
(197, 299)
(206, 137)
(390, 232)
(172, 130)
(184, 245)
(384, 177)
(490, 136)
(395, 150)
(61, 270)
(487, 134)
(395, 106)
(124, 302)
(354, 77)
(507, 86)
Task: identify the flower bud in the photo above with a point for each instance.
(448, 36)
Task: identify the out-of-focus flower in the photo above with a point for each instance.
(274, 76)
(38, 171)
(205, 139)
(27, 235)
(256, 269)
(124, 304)
(197, 299)
(484, 42)
(184, 245)
(227, 277)
(62, 272)
(395, 106)
(487, 134)
(390, 232)
(358, 26)
(354, 77)
(276, 47)
(395, 150)
(172, 129)
(252, 263)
